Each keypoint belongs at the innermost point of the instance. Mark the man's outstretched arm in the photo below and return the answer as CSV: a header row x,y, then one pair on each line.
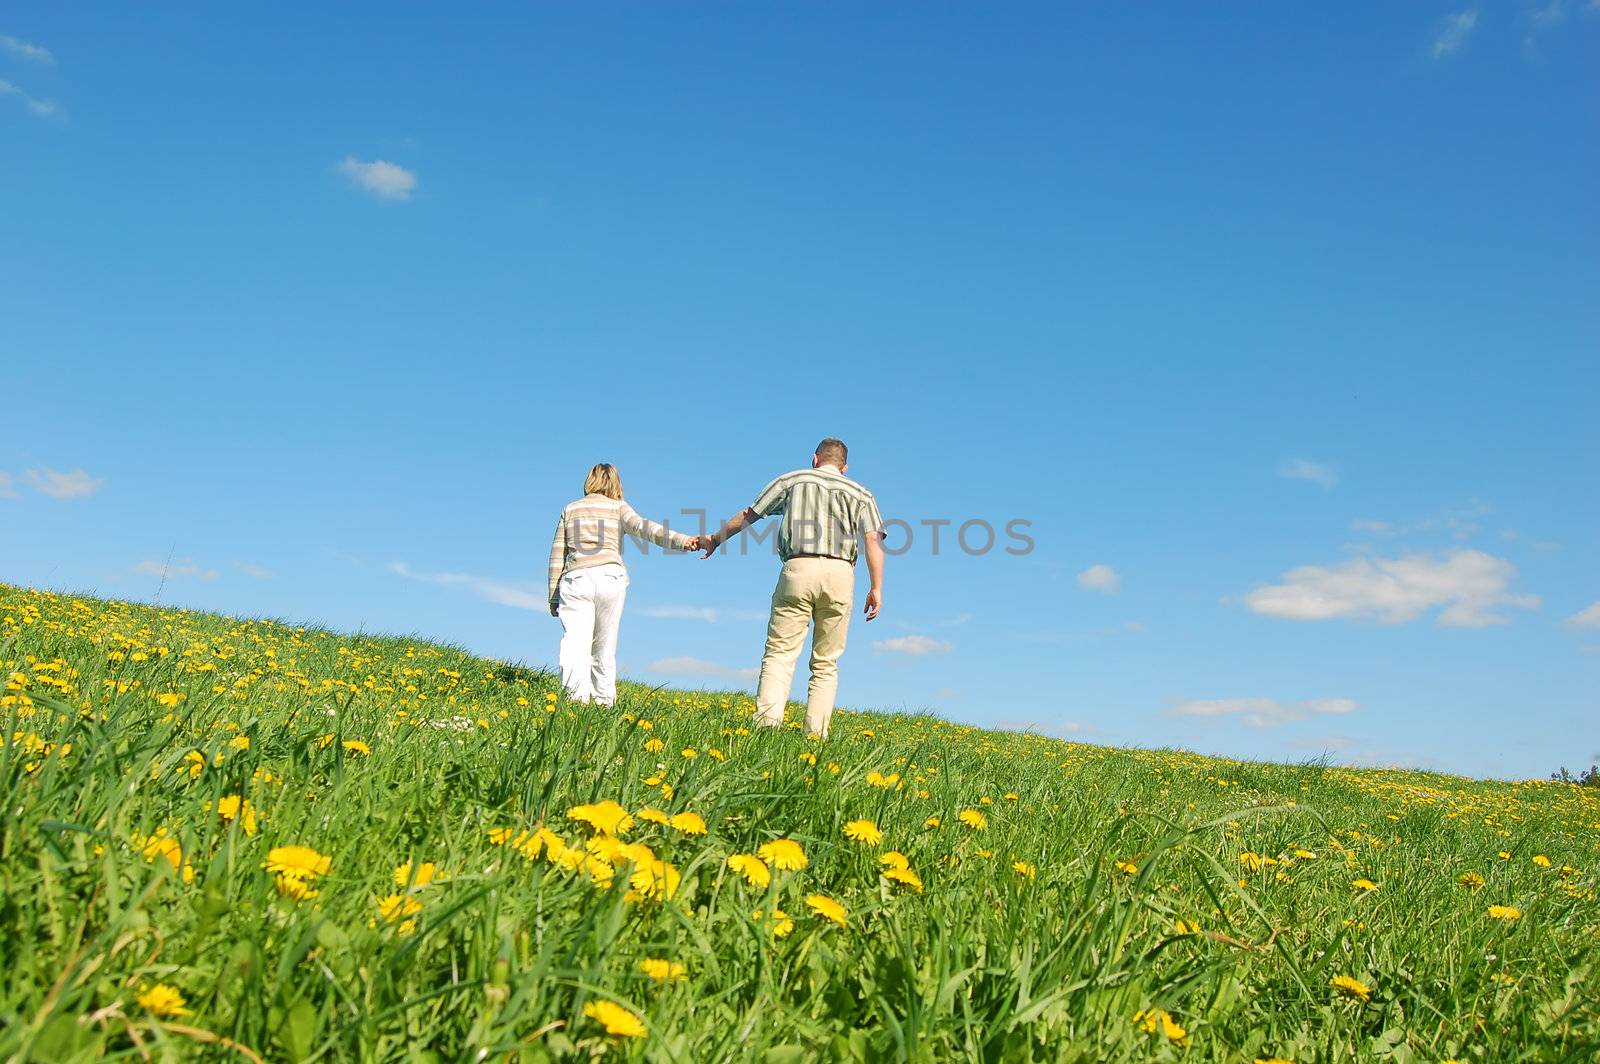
x,y
875,573
731,527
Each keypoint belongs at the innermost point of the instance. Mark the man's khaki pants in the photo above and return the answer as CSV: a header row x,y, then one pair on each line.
x,y
811,591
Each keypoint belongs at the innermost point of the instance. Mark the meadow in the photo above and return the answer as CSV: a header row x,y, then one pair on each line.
x,y
248,840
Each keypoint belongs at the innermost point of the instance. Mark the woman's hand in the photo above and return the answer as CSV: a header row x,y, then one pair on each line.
x,y
695,543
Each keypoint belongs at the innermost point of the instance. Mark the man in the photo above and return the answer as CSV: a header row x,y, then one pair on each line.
x,y
825,515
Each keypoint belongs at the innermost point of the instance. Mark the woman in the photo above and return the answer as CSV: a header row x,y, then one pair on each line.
x,y
588,581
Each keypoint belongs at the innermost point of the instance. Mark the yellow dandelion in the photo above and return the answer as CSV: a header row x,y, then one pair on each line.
x,y
1505,912
931,822
688,823
1351,987
420,876
1152,1021
1127,868
356,746
606,817
894,859
1470,879
1024,869
651,815
973,819
783,854
300,861
863,831
293,885
904,876
233,807
396,907
1364,885
618,1021
168,700
752,868
781,923
663,970
827,908
653,880
163,1000
1541,860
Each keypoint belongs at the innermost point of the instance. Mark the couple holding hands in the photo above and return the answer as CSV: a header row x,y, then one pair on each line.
x,y
827,519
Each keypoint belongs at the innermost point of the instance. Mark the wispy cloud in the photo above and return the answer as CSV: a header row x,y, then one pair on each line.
x,y
1453,33
686,666
1260,712
1461,522
520,596
1101,578
1588,617
1467,584
947,692
178,567
385,180
1058,729
257,572
36,106
74,485
1318,473
708,614
917,646
1332,743
6,490
32,52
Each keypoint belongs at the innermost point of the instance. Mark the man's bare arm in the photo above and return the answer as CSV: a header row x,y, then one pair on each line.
x,y
731,527
875,573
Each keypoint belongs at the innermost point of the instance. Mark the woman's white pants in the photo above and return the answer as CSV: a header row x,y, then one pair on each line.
x,y
589,603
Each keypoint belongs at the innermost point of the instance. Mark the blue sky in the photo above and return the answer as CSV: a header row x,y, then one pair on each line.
x,y
1280,329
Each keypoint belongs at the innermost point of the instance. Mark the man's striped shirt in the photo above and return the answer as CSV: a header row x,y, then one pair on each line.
x,y
590,533
825,513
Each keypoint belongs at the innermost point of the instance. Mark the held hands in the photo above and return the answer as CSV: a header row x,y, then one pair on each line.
x,y
874,603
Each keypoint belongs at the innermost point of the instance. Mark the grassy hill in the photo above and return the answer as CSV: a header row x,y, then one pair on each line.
x,y
240,839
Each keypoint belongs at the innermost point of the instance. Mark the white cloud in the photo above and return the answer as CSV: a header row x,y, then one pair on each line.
x,y
1316,472
1588,617
385,180
176,568
1100,578
259,572
74,485
519,596
28,51
36,106
917,646
699,667
1058,729
947,692
1325,742
1261,712
1453,33
708,614
1376,528
6,490
1468,584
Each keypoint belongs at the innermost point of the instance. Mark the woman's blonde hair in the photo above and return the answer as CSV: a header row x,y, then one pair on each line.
x,y
603,480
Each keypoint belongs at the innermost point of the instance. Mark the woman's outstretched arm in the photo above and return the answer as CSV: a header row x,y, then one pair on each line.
x,y
644,528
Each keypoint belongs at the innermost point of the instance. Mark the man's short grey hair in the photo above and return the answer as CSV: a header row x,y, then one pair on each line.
x,y
833,451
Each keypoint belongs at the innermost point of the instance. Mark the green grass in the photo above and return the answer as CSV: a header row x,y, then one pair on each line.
x,y
1039,937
